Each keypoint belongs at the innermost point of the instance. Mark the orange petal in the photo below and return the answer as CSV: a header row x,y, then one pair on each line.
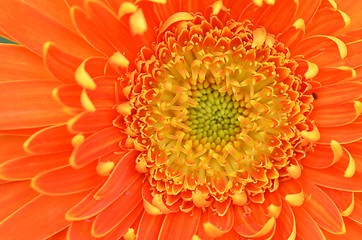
x,y
343,200
50,140
272,205
150,226
281,12
18,63
129,223
122,176
353,231
253,12
354,55
307,9
116,212
20,226
111,28
55,10
95,146
69,95
90,32
231,235
317,44
336,94
59,63
332,75
356,214
216,225
80,230
292,191
91,122
66,180
171,225
293,34
307,228
351,36
342,134
323,156
321,208
14,195
59,235
327,21
21,21
28,167
29,104
285,224
250,221
333,116
352,8
11,147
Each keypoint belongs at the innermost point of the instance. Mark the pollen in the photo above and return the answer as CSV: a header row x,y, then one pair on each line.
x,y
217,112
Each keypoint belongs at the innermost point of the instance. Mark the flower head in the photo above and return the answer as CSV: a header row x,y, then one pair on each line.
x,y
178,119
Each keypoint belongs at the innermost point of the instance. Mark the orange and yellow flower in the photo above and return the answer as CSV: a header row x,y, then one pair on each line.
x,y
155,119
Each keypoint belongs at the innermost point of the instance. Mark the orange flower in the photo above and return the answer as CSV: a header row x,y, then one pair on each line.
x,y
155,119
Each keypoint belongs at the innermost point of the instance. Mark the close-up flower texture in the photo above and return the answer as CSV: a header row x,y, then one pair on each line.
x,y
181,119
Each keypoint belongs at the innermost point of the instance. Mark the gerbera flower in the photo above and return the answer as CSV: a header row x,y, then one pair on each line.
x,y
155,119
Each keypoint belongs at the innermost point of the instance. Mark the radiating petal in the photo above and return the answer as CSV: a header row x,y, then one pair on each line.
x,y
12,147
356,214
127,223
307,9
172,222
150,226
322,209
216,225
97,145
116,212
62,65
81,230
121,177
318,44
18,63
69,95
307,228
279,16
327,21
337,94
353,231
21,21
250,221
114,30
334,178
47,217
50,140
13,196
90,122
342,134
28,167
323,156
343,200
333,116
90,32
29,104
285,224
66,180
332,75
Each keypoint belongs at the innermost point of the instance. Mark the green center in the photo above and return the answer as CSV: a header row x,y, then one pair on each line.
x,y
215,119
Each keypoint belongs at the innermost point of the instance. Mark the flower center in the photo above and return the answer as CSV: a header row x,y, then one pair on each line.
x,y
217,113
